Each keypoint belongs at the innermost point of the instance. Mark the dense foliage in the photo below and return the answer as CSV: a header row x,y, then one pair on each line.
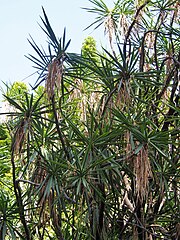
x,y
93,151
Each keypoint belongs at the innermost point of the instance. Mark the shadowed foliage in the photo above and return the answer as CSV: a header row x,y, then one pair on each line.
x,y
95,147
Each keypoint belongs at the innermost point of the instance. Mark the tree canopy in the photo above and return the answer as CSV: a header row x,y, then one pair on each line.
x,y
92,151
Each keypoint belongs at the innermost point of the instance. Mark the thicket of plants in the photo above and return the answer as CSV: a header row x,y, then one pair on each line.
x,y
92,151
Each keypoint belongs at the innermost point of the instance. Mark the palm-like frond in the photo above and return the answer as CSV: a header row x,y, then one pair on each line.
x,y
95,153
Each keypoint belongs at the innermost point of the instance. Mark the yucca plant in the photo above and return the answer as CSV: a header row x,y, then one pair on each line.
x,y
97,158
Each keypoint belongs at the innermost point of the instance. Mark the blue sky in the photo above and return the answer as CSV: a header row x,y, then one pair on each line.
x,y
19,18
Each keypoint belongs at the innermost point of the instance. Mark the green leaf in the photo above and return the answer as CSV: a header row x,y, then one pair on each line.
x,y
158,149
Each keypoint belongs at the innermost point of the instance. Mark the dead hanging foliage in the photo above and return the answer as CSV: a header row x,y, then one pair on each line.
x,y
109,26
123,95
110,29
119,97
123,25
176,13
47,210
54,77
105,111
39,178
150,39
19,137
83,98
142,171
78,95
128,148
141,167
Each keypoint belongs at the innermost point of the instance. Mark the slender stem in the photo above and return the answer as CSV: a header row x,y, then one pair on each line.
x,y
17,191
142,48
132,25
